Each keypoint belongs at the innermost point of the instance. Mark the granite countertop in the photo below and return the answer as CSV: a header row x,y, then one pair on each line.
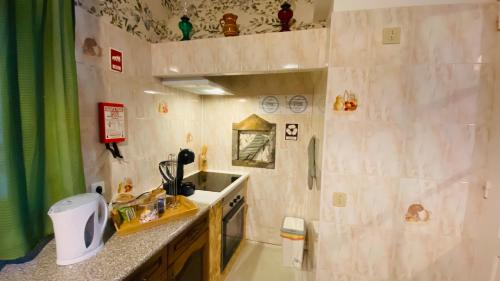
x,y
120,256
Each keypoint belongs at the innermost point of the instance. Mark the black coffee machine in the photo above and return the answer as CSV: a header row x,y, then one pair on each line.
x,y
172,171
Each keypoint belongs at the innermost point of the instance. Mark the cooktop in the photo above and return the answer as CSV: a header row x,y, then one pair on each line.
x,y
211,181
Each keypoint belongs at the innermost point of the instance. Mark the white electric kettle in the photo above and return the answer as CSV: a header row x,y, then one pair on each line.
x,y
79,223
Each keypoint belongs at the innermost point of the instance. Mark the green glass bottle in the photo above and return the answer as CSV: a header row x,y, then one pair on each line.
x,y
186,27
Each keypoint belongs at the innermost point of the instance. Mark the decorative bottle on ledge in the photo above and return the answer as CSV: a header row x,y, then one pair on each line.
x,y
186,27
285,15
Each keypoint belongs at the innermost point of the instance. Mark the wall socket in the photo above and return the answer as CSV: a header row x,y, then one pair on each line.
x,y
339,199
391,35
98,187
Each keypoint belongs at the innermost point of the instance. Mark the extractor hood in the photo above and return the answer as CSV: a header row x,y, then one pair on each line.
x,y
198,85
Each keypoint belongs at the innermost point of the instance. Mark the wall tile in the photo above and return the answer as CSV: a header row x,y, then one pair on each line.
x,y
313,48
390,54
279,56
349,185
355,80
338,251
430,87
425,106
417,191
145,128
413,253
424,152
383,147
351,39
472,92
253,55
228,55
434,35
475,33
373,252
387,97
453,206
345,147
381,194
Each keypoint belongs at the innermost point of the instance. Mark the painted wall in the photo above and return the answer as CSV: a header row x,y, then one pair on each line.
x,y
419,136
157,20
272,193
349,5
150,135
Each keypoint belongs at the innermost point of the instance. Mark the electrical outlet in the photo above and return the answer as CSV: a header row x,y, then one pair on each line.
x,y
97,187
391,35
339,199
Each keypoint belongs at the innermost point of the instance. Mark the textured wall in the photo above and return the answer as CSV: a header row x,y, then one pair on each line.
x,y
157,20
150,135
419,136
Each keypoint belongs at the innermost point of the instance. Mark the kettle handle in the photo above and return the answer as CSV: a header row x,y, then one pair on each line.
x,y
222,22
104,218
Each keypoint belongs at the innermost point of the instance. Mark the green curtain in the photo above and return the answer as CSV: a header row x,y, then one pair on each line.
x,y
40,153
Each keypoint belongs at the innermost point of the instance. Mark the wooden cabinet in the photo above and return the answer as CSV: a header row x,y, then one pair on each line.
x,y
155,269
188,255
183,259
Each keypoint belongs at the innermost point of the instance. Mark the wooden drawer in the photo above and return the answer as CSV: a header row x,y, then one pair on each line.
x,y
155,269
186,238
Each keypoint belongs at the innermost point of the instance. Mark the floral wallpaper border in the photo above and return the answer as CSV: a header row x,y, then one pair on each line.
x,y
160,22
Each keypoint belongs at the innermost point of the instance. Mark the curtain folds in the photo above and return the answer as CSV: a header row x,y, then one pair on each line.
x,y
40,154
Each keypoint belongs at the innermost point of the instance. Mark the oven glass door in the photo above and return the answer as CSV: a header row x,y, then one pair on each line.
x,y
232,231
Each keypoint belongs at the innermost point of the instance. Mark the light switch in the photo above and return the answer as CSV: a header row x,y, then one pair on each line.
x,y
391,35
339,199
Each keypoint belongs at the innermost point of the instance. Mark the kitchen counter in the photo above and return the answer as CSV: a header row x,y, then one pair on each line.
x,y
120,256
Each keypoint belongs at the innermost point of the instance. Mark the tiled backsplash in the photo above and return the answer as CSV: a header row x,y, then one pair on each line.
x,y
151,135
418,136
272,193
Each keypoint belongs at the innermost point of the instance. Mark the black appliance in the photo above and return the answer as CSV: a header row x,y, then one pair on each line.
x,y
233,222
172,171
211,181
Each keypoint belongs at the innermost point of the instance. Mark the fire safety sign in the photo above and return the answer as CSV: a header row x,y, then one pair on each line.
x,y
116,60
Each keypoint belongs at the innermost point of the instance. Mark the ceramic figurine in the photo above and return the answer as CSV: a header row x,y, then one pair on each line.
x,y
285,15
339,104
350,101
186,27
203,163
229,26
417,213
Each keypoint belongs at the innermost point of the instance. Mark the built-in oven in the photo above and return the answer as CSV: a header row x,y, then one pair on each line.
x,y
233,223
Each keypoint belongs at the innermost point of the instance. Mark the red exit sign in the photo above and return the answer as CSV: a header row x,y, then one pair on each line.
x,y
116,60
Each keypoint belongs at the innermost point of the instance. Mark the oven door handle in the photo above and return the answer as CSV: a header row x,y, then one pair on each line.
x,y
236,209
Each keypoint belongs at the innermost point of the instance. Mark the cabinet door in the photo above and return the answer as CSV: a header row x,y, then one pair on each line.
x,y
190,257
179,245
192,265
155,269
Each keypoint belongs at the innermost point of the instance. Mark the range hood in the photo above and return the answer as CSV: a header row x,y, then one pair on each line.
x,y
198,85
